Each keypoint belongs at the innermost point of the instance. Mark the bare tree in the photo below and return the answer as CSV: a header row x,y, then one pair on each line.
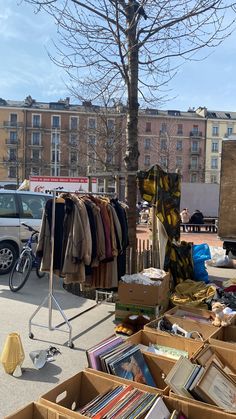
x,y
135,47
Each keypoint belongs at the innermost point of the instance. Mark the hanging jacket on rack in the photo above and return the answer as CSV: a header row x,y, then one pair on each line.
x,y
90,235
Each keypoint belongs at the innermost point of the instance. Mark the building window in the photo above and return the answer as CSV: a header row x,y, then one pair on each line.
x,y
35,171
163,162
55,121
147,143
193,178
180,129
55,138
214,163
179,145
148,127
12,154
36,122
163,144
229,131
92,123
195,129
55,154
213,178
73,122
110,142
194,146
73,158
92,140
13,137
163,127
36,155
91,158
194,163
215,131
109,158
12,172
110,124
73,140
35,139
13,120
147,160
179,162
214,146
55,171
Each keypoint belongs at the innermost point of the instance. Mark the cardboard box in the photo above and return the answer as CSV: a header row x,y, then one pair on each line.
x,y
145,337
224,337
147,295
124,310
194,409
204,330
159,368
36,411
194,313
82,388
228,356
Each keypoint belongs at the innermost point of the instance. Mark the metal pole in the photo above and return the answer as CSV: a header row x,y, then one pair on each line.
x,y
51,262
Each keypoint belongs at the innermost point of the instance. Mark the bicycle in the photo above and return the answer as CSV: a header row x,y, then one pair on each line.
x,y
24,264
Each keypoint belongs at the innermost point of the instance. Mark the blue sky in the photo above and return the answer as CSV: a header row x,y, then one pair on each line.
x,y
26,68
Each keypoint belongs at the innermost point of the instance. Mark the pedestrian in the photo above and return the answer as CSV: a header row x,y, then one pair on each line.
x,y
185,217
197,218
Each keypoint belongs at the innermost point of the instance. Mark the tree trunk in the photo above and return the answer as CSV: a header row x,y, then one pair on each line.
x,y
132,152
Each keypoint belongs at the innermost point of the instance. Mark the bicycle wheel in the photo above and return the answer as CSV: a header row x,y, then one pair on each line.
x,y
20,272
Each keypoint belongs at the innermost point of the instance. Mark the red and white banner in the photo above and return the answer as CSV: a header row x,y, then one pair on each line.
x,y
70,184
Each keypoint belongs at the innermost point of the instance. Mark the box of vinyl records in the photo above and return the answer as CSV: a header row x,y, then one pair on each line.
x,y
146,295
87,394
124,310
36,411
225,337
166,346
158,366
179,326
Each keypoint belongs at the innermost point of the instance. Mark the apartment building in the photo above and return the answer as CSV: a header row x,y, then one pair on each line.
x,y
62,139
175,140
219,126
58,139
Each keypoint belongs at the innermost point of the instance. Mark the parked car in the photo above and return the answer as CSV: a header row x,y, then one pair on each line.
x,y
17,207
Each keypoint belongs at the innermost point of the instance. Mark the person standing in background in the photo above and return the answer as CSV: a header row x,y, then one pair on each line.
x,y
185,218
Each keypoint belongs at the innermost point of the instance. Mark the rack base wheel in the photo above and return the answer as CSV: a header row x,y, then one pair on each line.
x,y
71,345
31,335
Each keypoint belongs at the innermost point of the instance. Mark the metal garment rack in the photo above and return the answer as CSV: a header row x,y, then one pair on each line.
x,y
50,297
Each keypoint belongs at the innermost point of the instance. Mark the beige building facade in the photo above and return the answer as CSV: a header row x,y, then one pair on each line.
x,y
63,139
220,125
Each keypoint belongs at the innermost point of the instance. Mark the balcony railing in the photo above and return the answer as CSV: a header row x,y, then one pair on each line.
x,y
195,134
195,167
12,143
195,150
12,124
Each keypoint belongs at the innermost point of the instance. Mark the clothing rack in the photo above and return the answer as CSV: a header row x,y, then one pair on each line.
x,y
50,298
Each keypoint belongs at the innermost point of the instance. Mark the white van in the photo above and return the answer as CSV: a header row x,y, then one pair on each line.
x,y
17,207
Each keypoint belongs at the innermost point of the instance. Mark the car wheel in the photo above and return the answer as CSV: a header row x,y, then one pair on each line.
x,y
8,255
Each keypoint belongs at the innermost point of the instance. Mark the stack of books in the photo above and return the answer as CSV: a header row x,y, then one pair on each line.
x,y
209,383
121,358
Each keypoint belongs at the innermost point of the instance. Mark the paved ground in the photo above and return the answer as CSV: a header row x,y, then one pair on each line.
x,y
196,238
89,328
